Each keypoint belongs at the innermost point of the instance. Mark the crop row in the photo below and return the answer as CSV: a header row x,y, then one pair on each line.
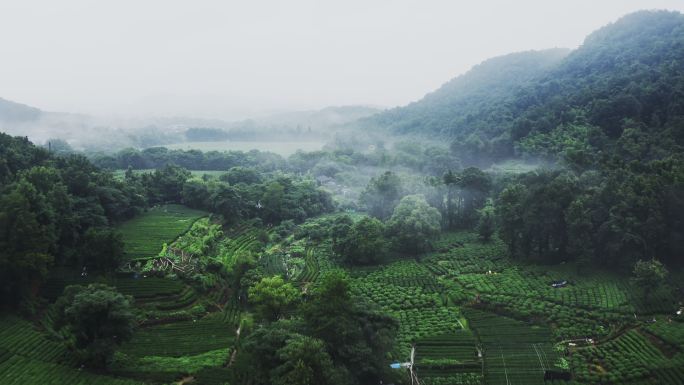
x,y
498,329
670,332
427,378
145,234
568,322
178,301
20,337
311,268
19,370
514,352
451,356
465,255
672,375
416,324
231,313
137,286
392,297
182,338
597,295
273,263
403,273
626,358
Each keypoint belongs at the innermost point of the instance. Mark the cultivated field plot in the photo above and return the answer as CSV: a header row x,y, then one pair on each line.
x,y
514,353
182,338
411,293
29,357
632,357
19,370
449,358
19,337
145,234
142,289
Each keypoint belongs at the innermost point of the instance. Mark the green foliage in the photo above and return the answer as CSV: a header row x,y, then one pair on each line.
x,y
98,318
382,194
649,275
25,244
304,362
165,185
353,335
185,364
102,248
242,175
19,370
559,105
272,296
628,358
182,338
486,226
359,243
277,353
471,107
514,352
414,224
145,234
159,157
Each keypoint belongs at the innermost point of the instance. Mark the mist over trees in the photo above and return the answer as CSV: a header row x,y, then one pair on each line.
x,y
484,201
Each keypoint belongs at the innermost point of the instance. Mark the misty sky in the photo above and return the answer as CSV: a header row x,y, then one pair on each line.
x,y
233,59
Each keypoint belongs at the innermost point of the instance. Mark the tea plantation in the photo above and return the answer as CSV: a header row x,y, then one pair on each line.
x,y
145,234
473,315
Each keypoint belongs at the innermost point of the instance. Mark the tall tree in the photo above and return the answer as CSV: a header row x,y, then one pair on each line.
x,y
414,224
98,318
272,296
363,242
382,194
649,275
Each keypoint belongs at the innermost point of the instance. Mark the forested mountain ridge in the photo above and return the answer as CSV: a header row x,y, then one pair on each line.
x,y
629,73
470,98
16,112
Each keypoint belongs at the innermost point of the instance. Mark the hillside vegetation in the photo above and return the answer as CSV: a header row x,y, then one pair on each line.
x,y
374,261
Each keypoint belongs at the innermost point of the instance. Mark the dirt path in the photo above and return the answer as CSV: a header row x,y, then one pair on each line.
x,y
234,354
185,380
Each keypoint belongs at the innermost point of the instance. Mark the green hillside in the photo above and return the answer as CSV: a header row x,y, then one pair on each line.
x,y
627,74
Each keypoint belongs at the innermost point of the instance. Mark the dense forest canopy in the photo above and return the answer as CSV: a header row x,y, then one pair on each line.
x,y
523,224
541,104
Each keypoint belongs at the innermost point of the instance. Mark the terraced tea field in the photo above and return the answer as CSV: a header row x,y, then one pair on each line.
x,y
514,353
145,234
27,356
449,358
19,370
143,289
182,338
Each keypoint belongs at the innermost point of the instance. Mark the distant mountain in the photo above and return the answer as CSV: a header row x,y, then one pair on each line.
x,y
469,98
627,74
17,112
314,125
326,117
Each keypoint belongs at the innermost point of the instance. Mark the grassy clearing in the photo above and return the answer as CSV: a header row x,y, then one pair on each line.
x,y
145,234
